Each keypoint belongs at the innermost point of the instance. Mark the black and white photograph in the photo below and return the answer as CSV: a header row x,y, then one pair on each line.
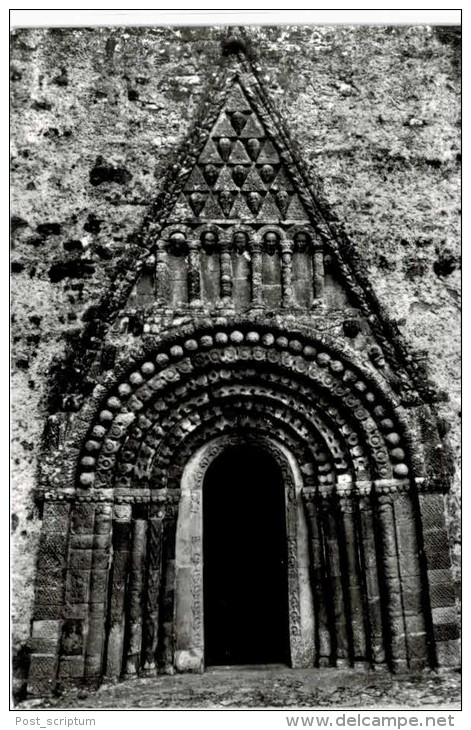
x,y
235,289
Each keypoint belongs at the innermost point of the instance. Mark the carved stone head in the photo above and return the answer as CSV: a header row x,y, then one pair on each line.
x,y
238,121
225,146
253,148
225,201
209,241
211,174
271,240
267,173
376,356
178,243
282,201
238,175
254,201
240,241
301,241
197,201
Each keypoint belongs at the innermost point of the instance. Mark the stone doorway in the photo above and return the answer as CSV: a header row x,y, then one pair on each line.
x,y
245,582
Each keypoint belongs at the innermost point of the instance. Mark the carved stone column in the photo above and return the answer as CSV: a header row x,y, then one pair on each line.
x,y
318,276
375,639
287,291
340,642
226,275
391,583
317,571
135,595
256,270
353,576
121,551
166,644
153,582
98,591
194,273
162,275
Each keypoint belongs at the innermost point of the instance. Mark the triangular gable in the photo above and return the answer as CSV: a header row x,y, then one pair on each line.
x,y
240,146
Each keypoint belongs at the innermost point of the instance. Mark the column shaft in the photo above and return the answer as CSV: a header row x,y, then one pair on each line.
x,y
392,584
120,567
317,574
98,591
318,275
226,276
134,597
162,276
153,581
372,590
287,291
194,273
257,282
166,641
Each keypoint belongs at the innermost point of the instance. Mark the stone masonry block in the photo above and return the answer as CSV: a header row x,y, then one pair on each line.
x,y
442,594
439,575
80,559
49,594
432,509
83,516
81,542
43,667
46,629
78,586
446,632
449,653
44,646
71,667
98,585
55,517
444,615
47,611
438,559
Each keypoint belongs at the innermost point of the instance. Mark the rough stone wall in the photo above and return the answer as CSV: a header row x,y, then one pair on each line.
x,y
98,115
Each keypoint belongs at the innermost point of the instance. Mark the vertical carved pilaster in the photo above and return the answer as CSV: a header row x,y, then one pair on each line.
x,y
194,274
287,291
226,275
153,582
134,597
318,579
318,276
162,275
121,551
166,643
49,598
98,591
392,583
256,270
413,595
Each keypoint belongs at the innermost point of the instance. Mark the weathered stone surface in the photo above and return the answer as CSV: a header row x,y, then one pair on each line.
x,y
232,295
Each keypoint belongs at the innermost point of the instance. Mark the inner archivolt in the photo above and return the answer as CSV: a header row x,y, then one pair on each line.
x,y
245,561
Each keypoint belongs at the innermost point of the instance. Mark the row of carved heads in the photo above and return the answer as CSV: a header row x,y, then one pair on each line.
x,y
179,240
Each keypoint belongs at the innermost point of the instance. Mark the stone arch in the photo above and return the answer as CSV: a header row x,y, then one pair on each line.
x,y
311,401
182,362
190,652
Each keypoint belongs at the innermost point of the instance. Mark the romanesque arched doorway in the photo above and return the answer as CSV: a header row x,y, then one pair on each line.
x,y
245,582
239,321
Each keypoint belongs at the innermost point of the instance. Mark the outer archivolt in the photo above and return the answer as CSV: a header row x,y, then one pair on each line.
x,y
205,359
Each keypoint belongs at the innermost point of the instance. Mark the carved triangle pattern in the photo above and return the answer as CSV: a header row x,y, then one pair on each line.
x,y
239,173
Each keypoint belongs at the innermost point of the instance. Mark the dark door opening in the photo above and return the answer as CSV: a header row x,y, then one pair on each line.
x,y
245,578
